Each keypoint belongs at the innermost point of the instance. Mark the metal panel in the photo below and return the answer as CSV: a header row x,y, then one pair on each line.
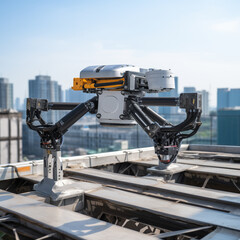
x,y
14,123
169,209
14,151
208,163
71,224
3,127
216,171
223,234
214,148
150,184
4,152
201,169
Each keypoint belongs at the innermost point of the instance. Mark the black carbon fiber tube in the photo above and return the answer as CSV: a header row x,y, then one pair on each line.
x,y
160,101
62,105
137,113
68,120
154,116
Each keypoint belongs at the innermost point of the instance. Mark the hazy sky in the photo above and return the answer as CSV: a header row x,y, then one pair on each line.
x,y
198,40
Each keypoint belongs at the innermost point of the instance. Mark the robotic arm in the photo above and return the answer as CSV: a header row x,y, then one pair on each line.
x,y
51,134
166,137
120,101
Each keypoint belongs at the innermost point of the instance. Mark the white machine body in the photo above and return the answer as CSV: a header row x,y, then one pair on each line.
x,y
107,71
111,104
111,109
160,80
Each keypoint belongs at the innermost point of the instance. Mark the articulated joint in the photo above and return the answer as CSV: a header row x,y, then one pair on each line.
x,y
90,105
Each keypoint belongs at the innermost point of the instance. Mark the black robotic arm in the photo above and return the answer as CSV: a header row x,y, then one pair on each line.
x,y
166,137
51,134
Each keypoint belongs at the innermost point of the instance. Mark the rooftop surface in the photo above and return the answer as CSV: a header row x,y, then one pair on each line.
x,y
125,195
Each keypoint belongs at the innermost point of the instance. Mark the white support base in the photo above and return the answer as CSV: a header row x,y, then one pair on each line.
x,y
171,169
58,190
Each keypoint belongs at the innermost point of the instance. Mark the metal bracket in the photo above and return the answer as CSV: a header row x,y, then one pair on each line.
x,y
53,165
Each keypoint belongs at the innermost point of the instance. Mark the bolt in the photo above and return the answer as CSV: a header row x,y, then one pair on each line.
x,y
121,116
98,115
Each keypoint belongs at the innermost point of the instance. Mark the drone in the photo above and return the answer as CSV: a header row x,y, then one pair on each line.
x,y
120,101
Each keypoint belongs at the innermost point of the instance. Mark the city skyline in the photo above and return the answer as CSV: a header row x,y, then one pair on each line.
x,y
172,92
202,52
69,95
226,97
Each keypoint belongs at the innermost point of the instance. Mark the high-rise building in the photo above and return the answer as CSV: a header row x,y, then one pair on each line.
x,y
205,102
228,131
169,111
45,88
234,97
228,98
77,96
18,105
189,90
6,94
222,98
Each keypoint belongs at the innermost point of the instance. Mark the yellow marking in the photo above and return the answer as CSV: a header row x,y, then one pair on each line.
x,y
24,169
193,101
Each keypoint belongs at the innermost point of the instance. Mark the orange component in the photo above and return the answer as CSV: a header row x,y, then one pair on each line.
x,y
78,84
24,169
89,83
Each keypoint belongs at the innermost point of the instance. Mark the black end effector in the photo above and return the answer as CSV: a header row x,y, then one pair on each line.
x,y
190,101
34,108
37,104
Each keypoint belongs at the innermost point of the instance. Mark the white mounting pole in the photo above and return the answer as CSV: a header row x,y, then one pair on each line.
x,y
53,165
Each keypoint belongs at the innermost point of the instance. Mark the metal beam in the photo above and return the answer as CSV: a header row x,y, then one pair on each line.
x,y
70,224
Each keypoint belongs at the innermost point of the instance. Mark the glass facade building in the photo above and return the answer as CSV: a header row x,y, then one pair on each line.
x,y
6,94
189,90
228,130
228,98
45,88
205,102
77,96
222,98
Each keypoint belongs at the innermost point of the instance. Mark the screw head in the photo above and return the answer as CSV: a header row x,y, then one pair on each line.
x,y
98,115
